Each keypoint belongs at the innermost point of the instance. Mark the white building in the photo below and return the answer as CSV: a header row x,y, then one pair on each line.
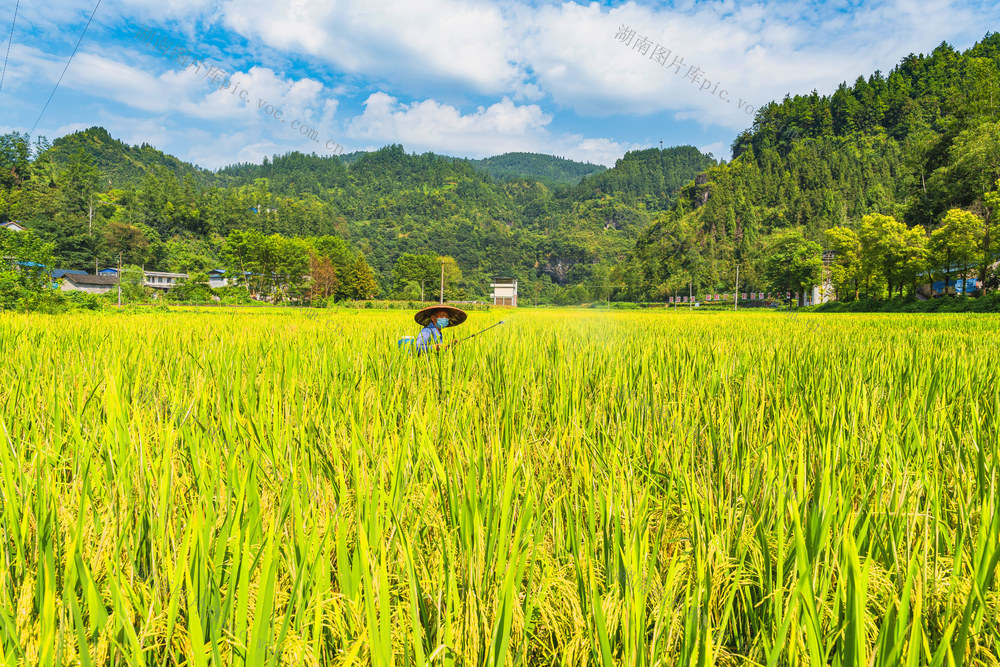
x,y
817,294
13,226
217,278
504,291
156,279
163,280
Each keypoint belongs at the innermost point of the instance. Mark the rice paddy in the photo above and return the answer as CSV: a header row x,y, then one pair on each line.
x,y
281,487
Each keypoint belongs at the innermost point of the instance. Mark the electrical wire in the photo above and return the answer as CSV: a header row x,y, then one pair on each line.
x,y
9,41
65,68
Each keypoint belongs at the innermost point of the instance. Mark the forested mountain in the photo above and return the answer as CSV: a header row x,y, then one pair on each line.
x,y
909,146
650,177
166,214
548,169
122,164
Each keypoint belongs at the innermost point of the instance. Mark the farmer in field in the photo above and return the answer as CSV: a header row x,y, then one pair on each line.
x,y
433,319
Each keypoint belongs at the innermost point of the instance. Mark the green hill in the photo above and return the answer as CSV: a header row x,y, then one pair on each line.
x,y
651,177
913,144
548,169
384,203
121,163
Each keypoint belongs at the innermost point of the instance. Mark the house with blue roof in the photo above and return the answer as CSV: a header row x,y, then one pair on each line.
x,y
160,280
217,278
61,273
956,285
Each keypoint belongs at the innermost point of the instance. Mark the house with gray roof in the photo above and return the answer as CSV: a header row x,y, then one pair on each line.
x,y
89,284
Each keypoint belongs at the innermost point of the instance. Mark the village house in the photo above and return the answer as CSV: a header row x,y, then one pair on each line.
x,y
56,274
217,278
13,226
823,293
99,284
504,291
161,280
956,285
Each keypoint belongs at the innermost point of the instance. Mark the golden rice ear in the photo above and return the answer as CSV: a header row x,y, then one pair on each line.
x,y
644,488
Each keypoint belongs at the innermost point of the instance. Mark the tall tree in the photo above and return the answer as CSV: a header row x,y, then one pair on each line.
x,y
955,245
883,240
127,242
15,160
324,280
25,263
361,281
913,255
424,269
845,270
452,276
793,263
990,251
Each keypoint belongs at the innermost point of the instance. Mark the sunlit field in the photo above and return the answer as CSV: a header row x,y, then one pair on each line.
x,y
265,487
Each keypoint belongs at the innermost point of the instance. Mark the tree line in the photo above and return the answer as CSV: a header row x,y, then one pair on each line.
x,y
895,174
97,200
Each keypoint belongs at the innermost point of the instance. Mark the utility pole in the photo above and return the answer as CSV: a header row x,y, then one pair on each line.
x,y
690,296
736,297
90,229
119,280
421,290
442,281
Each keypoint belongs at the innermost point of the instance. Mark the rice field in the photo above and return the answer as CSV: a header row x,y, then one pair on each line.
x,y
280,487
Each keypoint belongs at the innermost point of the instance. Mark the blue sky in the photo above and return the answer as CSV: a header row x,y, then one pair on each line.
x,y
459,77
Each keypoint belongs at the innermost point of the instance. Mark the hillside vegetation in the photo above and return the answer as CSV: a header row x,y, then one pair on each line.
x,y
548,169
911,147
165,214
896,174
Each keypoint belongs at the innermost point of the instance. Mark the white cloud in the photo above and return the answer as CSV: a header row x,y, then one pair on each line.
x,y
258,105
260,89
450,41
219,150
503,127
598,151
756,52
431,125
567,50
716,149
540,60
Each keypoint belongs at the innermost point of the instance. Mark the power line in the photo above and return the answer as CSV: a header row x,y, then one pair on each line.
x,y
65,68
9,41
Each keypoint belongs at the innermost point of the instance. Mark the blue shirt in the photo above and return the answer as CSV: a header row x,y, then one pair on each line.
x,y
428,336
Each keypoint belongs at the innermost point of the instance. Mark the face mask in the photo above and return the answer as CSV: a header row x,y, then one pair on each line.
x,y
442,322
